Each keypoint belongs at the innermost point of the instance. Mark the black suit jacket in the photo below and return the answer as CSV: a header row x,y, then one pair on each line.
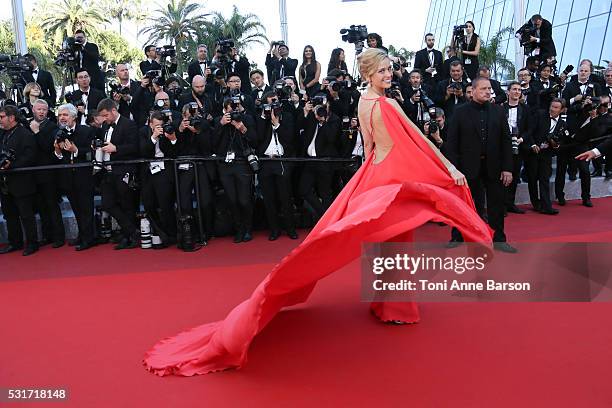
x,y
328,135
285,134
500,94
46,152
45,80
547,45
125,138
133,107
93,99
575,114
605,148
448,105
523,123
224,134
91,58
255,92
80,176
463,144
540,130
194,69
422,62
274,65
21,140
146,66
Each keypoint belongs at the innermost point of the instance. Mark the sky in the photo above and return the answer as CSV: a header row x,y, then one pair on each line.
x,y
318,22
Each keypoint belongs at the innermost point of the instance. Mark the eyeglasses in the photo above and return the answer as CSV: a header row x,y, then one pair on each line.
x,y
163,99
231,81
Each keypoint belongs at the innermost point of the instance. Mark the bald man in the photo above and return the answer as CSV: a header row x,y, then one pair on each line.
x,y
197,94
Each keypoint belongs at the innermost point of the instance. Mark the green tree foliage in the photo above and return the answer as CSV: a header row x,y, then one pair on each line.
x,y
491,54
62,17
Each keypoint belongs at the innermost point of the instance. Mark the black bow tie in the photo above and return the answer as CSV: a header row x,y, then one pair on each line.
x,y
35,71
513,107
112,125
86,93
429,51
553,119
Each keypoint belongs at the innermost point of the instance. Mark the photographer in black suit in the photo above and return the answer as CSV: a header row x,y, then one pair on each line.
x,y
124,92
86,98
158,177
259,86
320,137
278,62
90,60
200,65
543,37
602,149
414,94
154,63
120,142
17,190
429,61
479,145
47,193
42,78
235,138
72,146
450,93
276,139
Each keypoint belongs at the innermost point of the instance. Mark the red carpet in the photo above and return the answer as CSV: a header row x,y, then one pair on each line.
x,y
83,321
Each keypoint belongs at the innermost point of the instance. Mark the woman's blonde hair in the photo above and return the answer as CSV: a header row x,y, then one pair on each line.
x,y
369,60
28,88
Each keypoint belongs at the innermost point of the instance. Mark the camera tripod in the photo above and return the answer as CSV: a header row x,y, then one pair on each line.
x,y
68,77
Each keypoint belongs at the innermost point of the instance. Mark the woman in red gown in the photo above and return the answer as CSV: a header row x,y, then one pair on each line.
x,y
404,183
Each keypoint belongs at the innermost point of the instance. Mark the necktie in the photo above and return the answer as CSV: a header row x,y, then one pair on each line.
x,y
86,93
35,71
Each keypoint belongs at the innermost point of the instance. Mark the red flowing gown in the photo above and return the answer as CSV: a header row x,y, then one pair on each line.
x,y
382,201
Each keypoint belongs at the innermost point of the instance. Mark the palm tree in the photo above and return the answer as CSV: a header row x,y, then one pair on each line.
x,y
244,29
176,23
401,52
492,56
64,17
121,10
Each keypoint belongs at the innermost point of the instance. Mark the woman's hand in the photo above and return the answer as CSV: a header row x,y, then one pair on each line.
x,y
457,176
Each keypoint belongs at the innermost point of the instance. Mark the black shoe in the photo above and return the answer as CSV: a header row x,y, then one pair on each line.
x,y
74,242
43,242
608,175
247,237
573,177
587,203
10,248
57,244
84,246
273,236
561,201
549,211
30,249
238,237
537,207
292,234
596,173
505,247
515,210
453,243
126,243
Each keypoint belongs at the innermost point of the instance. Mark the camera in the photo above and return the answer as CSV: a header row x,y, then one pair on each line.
x,y
459,36
25,114
6,156
321,111
15,66
174,93
117,88
337,86
68,54
195,115
61,135
225,46
354,34
394,91
236,116
277,43
166,51
426,99
268,108
319,99
558,137
252,159
527,31
98,142
152,74
167,125
283,91
73,99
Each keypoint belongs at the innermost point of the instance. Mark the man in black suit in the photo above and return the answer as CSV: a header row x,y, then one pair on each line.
x,y
126,94
530,95
320,137
153,63
276,139
120,143
543,140
479,145
543,37
86,98
279,64
47,193
594,78
77,183
200,65
429,61
450,93
235,63
414,94
517,115
498,95
198,95
234,87
259,86
17,190
602,149
545,87
89,59
43,79
451,56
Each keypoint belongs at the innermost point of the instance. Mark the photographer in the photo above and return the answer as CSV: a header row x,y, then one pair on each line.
x,y
414,95
351,147
89,60
597,125
276,139
340,98
444,74
240,65
119,138
596,79
278,62
546,86
198,95
450,92
436,133
123,92
337,61
234,89
259,86
236,139
518,117
470,49
321,134
200,65
72,145
375,41
158,141
539,34
86,98
42,78
47,194
429,61
157,61
196,138
545,137
498,95
17,149
287,91
174,90
530,96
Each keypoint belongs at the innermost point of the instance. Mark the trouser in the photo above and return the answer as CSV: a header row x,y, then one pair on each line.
x,y
275,181
564,158
118,201
158,200
517,161
237,181
492,189
317,176
81,198
19,211
47,203
539,170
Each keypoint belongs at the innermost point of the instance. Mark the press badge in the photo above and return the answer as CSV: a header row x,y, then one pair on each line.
x,y
184,166
229,157
468,61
